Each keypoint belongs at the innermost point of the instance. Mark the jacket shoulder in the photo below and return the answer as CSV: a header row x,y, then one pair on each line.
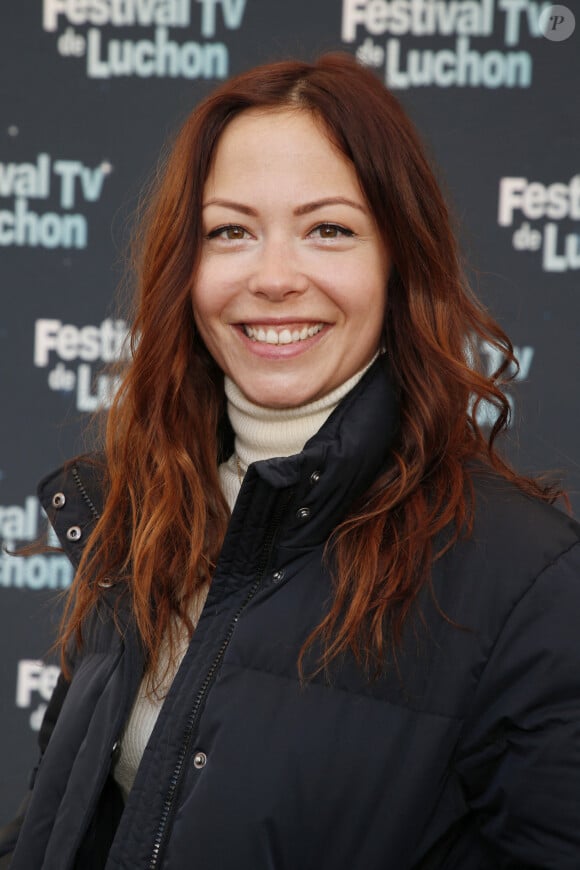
x,y
515,538
517,527
519,754
72,497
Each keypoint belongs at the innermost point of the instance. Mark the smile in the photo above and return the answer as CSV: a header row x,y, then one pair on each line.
x,y
284,335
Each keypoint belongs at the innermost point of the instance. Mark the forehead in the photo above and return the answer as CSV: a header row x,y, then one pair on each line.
x,y
270,149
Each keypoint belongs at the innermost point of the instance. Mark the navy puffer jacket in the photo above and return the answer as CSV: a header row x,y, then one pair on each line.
x,y
468,758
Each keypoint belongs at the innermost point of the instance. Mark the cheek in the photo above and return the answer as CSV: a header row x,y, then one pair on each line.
x,y
370,314
202,312
214,288
362,299
205,297
206,326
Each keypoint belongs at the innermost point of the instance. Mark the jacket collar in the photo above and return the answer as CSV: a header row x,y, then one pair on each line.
x,y
72,497
317,486
336,467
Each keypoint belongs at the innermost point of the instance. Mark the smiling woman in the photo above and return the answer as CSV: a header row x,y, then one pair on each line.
x,y
317,621
290,292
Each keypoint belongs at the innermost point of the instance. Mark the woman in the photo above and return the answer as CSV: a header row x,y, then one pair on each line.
x,y
373,662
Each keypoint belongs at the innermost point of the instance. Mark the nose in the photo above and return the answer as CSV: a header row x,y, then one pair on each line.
x,y
277,273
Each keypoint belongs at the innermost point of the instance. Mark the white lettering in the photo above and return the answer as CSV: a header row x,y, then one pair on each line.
x,y
107,342
70,43
524,356
36,717
50,12
26,179
533,14
23,227
92,183
233,11
463,67
61,378
35,572
353,14
510,198
513,11
118,13
526,238
34,676
19,524
536,200
105,389
417,17
495,358
45,333
163,57
487,413
553,261
68,170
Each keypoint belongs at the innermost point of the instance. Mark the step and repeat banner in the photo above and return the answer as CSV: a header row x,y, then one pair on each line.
x,y
90,91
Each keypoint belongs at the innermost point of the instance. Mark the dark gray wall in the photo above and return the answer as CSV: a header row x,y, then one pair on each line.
x,y
496,101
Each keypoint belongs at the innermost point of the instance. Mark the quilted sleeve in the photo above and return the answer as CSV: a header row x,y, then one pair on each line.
x,y
519,756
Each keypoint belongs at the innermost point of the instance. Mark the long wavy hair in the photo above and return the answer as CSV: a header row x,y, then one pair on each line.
x,y
165,517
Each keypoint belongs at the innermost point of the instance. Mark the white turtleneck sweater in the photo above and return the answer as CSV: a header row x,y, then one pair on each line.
x,y
260,433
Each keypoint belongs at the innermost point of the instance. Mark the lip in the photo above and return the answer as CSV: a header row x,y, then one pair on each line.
x,y
280,351
280,321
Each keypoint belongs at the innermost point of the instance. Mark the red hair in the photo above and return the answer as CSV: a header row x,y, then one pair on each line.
x,y
165,516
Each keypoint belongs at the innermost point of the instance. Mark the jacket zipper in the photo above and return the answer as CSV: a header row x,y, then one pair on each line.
x,y
86,497
194,714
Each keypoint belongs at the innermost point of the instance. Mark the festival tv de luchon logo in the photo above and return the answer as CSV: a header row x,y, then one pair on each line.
x,y
22,524
35,682
70,185
523,202
451,59
69,354
87,30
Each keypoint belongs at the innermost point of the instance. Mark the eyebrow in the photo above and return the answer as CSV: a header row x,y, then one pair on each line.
x,y
307,208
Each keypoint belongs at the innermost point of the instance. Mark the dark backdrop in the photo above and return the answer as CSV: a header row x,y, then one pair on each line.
x,y
90,91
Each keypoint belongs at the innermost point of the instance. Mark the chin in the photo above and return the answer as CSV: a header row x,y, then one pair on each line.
x,y
278,402
277,398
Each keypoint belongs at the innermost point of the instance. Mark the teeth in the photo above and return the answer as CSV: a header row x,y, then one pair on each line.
x,y
285,336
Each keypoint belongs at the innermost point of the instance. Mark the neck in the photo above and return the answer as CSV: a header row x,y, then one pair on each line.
x,y
265,433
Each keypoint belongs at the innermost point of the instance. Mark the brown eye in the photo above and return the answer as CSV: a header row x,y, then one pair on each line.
x,y
234,233
328,231
331,231
229,232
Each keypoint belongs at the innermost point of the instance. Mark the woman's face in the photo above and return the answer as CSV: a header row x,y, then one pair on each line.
x,y
290,294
